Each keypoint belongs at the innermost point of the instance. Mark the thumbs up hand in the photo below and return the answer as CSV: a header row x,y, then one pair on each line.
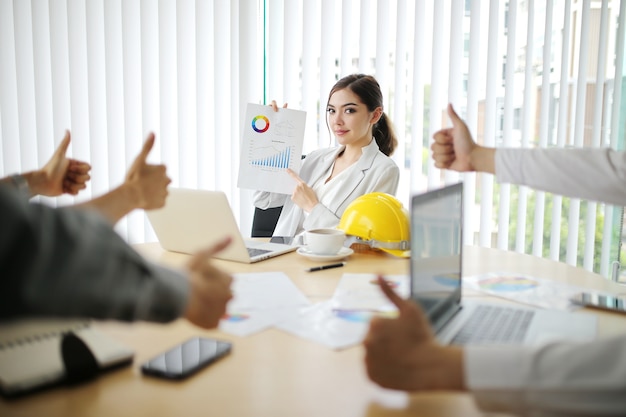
x,y
60,174
452,147
148,181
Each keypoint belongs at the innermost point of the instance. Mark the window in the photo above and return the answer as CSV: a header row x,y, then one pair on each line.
x,y
113,70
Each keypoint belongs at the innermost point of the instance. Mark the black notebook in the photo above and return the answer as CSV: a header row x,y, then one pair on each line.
x,y
37,353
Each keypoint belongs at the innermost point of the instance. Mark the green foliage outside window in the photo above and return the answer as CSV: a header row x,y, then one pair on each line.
x,y
549,202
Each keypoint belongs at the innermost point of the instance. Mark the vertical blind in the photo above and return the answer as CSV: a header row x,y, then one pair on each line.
x,y
523,73
111,71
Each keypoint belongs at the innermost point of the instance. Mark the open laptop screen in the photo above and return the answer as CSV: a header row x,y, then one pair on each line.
x,y
436,241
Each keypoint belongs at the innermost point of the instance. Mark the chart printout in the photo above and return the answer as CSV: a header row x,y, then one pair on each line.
x,y
272,142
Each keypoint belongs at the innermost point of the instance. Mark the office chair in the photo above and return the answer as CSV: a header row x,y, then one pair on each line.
x,y
264,221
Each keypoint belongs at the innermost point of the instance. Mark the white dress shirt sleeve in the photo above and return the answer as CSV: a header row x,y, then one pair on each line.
x,y
591,173
557,379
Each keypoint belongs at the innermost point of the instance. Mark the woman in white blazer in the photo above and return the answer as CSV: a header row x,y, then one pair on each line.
x,y
332,178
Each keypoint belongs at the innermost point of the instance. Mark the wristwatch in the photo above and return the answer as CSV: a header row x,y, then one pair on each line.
x,y
21,185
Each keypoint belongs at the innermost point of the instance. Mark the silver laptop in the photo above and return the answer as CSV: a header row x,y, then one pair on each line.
x,y
436,271
196,219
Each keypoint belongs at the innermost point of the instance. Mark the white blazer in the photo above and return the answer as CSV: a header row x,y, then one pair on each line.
x,y
374,171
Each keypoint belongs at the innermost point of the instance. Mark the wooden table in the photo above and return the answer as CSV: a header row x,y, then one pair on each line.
x,y
273,373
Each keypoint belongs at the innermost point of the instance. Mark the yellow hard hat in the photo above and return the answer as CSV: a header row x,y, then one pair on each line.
x,y
380,221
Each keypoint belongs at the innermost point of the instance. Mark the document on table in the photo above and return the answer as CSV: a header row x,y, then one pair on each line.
x,y
526,289
343,320
361,292
321,324
271,143
260,301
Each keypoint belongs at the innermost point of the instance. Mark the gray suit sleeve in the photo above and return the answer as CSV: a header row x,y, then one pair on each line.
x,y
70,262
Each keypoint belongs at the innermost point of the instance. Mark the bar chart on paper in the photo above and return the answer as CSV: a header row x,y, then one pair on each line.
x,y
272,142
271,157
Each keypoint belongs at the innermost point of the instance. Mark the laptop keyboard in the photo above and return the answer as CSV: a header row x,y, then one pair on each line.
x,y
495,325
256,252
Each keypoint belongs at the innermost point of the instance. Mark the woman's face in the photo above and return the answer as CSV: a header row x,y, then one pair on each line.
x,y
349,118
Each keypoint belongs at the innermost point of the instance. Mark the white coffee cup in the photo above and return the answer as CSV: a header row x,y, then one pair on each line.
x,y
324,241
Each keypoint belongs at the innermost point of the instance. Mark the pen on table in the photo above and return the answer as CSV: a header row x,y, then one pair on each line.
x,y
323,267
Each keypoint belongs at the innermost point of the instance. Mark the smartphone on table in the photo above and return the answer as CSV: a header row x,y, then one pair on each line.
x,y
186,358
600,301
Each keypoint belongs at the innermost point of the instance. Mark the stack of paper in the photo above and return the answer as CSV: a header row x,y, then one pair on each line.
x,y
343,320
260,301
263,300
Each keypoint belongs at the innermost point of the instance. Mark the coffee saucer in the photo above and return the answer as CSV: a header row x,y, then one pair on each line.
x,y
343,252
